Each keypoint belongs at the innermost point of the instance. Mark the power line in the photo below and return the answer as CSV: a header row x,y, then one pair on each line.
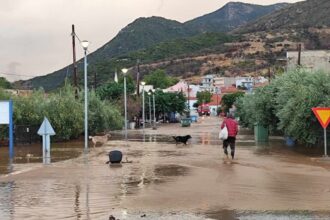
x,y
75,34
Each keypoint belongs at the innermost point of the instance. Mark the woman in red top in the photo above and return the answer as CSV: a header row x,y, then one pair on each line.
x,y
232,127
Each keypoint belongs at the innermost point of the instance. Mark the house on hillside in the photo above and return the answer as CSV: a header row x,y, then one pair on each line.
x,y
181,86
228,90
244,82
207,83
223,81
310,59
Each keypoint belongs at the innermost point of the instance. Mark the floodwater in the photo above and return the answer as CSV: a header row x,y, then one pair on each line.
x,y
162,180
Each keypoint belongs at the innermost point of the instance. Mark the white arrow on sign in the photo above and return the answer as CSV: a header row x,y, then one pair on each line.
x,y
46,128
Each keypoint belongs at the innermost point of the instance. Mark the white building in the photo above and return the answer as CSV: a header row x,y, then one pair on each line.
x,y
146,88
246,82
207,83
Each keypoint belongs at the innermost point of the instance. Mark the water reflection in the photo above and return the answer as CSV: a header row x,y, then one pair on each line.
x,y
87,203
262,148
6,200
33,154
77,202
206,138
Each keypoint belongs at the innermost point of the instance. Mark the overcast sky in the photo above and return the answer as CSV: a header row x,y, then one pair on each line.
x,y
35,34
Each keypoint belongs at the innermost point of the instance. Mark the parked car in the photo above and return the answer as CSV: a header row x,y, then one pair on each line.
x,y
203,109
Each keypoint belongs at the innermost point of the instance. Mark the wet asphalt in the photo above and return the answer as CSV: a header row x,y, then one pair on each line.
x,y
159,179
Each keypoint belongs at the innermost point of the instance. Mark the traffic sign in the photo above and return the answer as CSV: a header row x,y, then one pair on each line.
x,y
323,115
46,128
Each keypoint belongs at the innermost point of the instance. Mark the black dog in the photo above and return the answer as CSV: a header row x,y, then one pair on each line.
x,y
181,139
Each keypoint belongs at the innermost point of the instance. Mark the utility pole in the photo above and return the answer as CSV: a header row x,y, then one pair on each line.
x,y
138,78
73,34
299,55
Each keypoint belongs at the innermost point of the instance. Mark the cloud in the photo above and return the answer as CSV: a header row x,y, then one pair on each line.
x,y
36,33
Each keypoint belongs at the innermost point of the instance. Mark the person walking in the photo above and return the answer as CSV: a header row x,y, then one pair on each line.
x,y
232,127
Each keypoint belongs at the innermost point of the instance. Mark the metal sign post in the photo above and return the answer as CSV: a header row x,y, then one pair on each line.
x,y
46,130
323,115
325,142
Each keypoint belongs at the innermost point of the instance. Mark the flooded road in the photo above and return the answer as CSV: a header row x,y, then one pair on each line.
x,y
162,180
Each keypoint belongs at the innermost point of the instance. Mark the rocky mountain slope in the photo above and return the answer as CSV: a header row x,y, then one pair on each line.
x,y
251,49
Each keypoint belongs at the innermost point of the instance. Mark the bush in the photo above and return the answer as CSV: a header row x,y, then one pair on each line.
x,y
66,113
102,115
298,92
286,103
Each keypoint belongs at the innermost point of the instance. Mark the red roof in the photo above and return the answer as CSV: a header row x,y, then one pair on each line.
x,y
257,85
230,89
215,100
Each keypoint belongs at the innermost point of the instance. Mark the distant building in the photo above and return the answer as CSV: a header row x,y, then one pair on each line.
x,y
146,88
310,59
228,90
191,102
224,81
181,86
215,103
207,83
193,89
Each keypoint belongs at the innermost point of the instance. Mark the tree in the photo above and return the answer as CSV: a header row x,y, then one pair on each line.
x,y
134,106
114,91
4,83
203,97
228,100
159,79
285,105
169,102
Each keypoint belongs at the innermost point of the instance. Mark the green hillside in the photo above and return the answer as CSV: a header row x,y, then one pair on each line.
x,y
142,33
152,39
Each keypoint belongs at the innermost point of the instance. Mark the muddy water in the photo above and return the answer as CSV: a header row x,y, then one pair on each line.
x,y
161,180
30,155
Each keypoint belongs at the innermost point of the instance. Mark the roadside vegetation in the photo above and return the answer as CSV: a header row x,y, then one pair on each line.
x,y
64,111
285,105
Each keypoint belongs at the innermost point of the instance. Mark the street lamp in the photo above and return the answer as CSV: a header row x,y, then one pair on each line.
x,y
125,100
85,44
143,116
153,100
188,101
149,95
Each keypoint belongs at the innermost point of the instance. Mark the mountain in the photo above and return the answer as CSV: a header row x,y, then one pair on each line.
x,y
143,33
305,14
231,16
146,33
